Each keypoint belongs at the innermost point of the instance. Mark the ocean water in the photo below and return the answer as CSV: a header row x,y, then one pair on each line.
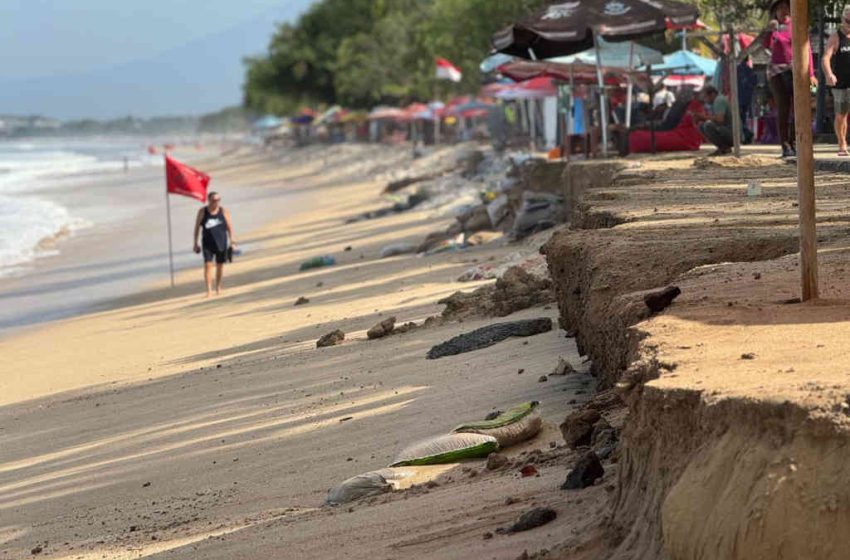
x,y
35,179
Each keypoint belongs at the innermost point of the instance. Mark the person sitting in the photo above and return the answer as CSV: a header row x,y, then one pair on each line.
x,y
716,127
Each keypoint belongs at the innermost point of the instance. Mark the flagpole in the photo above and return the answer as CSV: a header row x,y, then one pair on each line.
x,y
170,248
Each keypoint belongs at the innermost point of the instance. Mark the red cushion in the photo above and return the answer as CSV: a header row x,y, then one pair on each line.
x,y
685,137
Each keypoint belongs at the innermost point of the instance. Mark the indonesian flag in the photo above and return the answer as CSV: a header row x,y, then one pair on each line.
x,y
448,71
184,180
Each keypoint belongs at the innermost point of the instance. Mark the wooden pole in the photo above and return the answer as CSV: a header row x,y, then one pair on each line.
x,y
732,61
805,156
603,103
170,244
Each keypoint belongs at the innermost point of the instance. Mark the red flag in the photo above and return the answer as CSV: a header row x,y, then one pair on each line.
x,y
184,180
445,70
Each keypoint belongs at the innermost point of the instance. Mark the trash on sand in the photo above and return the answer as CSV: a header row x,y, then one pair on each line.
x,y
317,262
528,470
447,448
488,336
356,487
519,423
498,210
372,483
331,339
539,211
302,301
401,248
753,188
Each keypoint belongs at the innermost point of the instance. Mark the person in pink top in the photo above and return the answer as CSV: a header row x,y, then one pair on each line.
x,y
778,41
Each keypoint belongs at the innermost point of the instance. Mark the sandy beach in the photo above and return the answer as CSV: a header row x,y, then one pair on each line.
x,y
170,426
176,426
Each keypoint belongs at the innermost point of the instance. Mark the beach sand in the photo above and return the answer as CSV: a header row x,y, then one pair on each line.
x,y
178,427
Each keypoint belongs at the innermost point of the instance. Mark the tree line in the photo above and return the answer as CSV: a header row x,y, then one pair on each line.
x,y
361,53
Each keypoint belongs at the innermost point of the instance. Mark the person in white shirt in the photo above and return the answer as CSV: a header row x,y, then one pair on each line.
x,y
663,100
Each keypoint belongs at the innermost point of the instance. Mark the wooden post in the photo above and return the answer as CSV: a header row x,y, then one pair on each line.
x,y
732,61
805,156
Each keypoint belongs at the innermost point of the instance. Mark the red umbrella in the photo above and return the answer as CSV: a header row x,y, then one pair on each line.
x,y
520,70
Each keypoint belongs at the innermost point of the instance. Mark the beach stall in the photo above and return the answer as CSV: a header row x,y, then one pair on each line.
x,y
563,29
385,123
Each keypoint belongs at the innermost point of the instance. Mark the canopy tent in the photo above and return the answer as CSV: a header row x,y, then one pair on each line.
x,y
627,54
687,63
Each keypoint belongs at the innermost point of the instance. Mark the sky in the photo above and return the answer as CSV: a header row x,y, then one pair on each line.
x,y
110,58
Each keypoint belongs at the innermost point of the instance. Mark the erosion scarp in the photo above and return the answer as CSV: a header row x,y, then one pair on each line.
x,y
736,439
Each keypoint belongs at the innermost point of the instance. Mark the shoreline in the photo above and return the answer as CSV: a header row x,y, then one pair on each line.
x,y
109,274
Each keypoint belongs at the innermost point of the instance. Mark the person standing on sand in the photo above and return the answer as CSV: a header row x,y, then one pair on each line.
x,y
836,68
717,126
778,41
215,220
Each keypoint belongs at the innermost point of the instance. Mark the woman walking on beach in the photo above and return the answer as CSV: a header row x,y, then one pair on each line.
x,y
215,220
778,41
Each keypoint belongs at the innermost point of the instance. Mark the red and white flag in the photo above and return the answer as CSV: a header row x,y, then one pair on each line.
x,y
448,71
184,180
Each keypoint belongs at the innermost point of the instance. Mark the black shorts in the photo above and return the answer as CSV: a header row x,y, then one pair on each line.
x,y
219,256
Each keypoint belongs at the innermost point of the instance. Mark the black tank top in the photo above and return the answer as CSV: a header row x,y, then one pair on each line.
x,y
215,230
841,62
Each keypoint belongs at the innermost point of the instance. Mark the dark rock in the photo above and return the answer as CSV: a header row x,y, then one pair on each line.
x,y
382,329
542,379
331,339
515,290
604,451
36,550
585,472
577,428
496,461
532,519
660,300
347,249
301,301
748,356
487,535
489,335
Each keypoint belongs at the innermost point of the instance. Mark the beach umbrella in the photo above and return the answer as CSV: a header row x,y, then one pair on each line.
x,y
578,72
267,122
564,28
493,61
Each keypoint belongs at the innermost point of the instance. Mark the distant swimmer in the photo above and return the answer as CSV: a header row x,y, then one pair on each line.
x,y
218,230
